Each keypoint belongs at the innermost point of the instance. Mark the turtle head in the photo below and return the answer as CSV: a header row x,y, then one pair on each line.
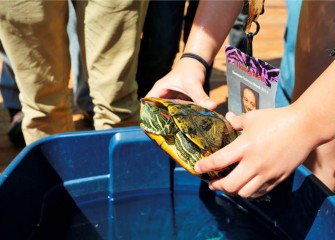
x,y
155,117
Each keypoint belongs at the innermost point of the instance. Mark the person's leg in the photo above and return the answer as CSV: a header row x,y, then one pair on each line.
x,y
34,36
81,92
316,39
112,40
9,90
159,43
10,95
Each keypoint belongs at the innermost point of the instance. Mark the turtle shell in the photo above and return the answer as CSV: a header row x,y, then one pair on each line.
x,y
186,131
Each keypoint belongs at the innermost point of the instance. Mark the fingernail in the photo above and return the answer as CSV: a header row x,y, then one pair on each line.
x,y
210,104
229,116
210,187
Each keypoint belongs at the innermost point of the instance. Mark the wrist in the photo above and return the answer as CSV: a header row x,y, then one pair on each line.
x,y
310,125
199,59
205,65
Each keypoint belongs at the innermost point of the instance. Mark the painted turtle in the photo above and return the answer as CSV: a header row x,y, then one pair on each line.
x,y
187,132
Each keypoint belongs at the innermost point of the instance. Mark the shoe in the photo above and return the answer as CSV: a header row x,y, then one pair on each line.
x,y
88,118
14,133
12,112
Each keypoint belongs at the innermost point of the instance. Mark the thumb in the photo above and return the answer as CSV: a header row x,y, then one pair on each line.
x,y
199,96
235,121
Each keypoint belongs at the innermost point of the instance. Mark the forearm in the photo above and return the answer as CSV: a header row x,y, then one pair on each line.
x,y
315,108
211,26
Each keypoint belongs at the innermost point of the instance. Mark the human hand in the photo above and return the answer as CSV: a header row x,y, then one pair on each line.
x,y
185,82
273,143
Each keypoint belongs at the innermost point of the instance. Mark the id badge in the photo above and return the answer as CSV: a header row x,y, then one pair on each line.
x,y
252,83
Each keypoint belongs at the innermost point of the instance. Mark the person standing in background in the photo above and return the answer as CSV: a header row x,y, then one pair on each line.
x,y
81,92
162,32
34,36
10,91
10,95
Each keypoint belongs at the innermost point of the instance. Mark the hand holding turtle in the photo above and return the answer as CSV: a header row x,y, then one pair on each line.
x,y
266,152
184,82
274,141
186,79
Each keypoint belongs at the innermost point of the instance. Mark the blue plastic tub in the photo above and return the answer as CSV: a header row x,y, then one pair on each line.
x,y
118,184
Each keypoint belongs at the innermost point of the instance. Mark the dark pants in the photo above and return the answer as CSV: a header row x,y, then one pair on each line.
x,y
160,42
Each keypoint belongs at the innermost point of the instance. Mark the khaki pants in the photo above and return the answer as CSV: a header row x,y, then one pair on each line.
x,y
34,36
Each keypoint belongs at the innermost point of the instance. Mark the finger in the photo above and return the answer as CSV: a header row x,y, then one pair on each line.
x,y
236,121
230,115
267,187
219,185
215,162
236,179
254,187
158,91
199,96
220,159
262,191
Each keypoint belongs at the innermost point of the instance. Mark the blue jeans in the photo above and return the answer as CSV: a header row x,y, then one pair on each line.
x,y
8,87
81,90
287,72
